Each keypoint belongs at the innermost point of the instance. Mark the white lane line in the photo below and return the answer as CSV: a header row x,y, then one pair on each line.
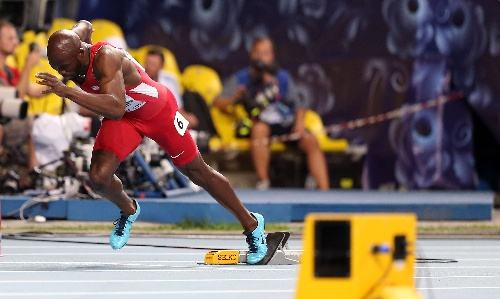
x,y
105,246
478,249
146,280
477,259
477,252
121,293
97,263
459,246
457,267
457,276
458,288
52,247
172,269
206,279
105,253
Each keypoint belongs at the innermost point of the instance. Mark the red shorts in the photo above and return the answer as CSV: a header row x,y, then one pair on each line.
x,y
168,128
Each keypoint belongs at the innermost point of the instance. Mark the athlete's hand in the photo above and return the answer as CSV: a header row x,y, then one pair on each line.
x,y
53,83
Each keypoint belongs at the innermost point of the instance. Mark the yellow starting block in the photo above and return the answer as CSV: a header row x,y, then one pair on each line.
x,y
222,257
360,256
277,253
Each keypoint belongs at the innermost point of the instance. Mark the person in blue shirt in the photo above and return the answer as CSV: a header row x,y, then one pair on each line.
x,y
270,97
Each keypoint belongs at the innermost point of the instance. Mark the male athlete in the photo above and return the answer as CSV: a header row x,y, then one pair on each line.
x,y
115,86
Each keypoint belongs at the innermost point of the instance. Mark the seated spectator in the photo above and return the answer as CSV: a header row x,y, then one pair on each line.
x,y
154,62
16,146
270,98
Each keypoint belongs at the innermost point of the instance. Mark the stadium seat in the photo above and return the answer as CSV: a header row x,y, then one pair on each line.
x,y
170,66
314,124
59,24
203,80
51,103
11,61
106,30
23,49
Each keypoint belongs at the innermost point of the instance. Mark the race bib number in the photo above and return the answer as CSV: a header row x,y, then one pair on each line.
x,y
180,123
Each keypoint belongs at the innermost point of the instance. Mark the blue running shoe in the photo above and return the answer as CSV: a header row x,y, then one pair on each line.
x,y
256,241
119,236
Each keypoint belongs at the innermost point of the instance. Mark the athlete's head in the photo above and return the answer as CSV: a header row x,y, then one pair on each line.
x,y
67,54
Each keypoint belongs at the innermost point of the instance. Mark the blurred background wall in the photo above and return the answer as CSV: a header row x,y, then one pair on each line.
x,y
355,59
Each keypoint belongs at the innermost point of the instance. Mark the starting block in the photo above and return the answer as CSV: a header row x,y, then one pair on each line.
x,y
277,253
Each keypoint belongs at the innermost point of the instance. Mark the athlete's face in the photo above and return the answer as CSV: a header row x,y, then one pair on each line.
x,y
68,64
8,40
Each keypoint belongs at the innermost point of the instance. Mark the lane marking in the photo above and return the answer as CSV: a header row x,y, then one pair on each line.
x,y
147,280
457,267
458,288
209,279
100,294
429,252
457,276
180,269
96,263
132,247
452,247
104,253
52,247
477,259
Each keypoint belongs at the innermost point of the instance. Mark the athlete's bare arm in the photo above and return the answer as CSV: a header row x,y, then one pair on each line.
x,y
110,102
84,30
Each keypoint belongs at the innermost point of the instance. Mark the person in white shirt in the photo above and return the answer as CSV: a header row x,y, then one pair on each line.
x,y
154,63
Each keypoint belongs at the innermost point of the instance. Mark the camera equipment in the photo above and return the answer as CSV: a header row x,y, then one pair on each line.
x,y
10,106
10,183
260,68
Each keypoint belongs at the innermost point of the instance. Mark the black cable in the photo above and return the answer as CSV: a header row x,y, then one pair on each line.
x,y
387,271
31,236
380,281
434,261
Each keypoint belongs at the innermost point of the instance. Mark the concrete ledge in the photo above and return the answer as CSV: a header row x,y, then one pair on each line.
x,y
279,205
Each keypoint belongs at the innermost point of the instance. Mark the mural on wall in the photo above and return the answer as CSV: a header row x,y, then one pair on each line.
x,y
353,59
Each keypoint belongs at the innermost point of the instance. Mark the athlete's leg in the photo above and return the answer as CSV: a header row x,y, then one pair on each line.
x,y
169,130
315,159
218,186
114,142
106,183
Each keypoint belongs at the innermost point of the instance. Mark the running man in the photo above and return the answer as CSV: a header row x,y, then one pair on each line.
x,y
116,87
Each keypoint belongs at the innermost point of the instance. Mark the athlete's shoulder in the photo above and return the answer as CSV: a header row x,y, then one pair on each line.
x,y
107,56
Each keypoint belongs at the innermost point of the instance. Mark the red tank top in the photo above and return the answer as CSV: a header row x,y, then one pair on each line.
x,y
142,101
